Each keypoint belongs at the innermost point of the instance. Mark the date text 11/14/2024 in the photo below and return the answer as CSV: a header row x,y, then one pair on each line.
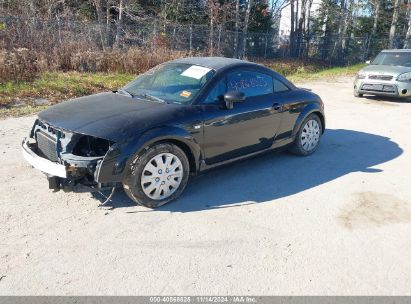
x,y
203,299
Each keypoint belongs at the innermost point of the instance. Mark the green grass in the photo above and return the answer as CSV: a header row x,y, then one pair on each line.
x,y
59,86
55,87
326,74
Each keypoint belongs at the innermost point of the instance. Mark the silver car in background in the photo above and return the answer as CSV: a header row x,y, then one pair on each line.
x,y
389,74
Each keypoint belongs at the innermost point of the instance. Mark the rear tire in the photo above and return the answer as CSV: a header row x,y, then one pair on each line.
x,y
308,137
157,176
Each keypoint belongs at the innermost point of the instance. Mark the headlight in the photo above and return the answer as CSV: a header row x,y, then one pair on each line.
x,y
361,76
404,77
90,146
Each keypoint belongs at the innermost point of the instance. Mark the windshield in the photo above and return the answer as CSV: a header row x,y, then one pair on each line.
x,y
172,82
393,58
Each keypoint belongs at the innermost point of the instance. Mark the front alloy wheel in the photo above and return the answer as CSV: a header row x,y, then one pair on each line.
x,y
162,176
157,175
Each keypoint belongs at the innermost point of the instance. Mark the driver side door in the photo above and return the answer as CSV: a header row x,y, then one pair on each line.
x,y
249,126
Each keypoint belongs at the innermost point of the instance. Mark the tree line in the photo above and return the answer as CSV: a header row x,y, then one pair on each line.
x,y
331,25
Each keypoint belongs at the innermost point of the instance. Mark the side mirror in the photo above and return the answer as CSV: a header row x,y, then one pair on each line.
x,y
231,97
368,62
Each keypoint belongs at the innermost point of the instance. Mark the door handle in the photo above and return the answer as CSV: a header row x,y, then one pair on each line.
x,y
277,106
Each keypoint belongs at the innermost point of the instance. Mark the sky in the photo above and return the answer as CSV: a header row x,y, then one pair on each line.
x,y
285,21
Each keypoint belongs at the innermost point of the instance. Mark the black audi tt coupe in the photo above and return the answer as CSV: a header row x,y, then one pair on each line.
x,y
178,119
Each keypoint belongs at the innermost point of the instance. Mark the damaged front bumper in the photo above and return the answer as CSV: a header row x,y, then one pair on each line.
x,y
77,174
40,163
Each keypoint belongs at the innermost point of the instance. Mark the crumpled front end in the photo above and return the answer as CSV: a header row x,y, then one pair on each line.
x,y
71,161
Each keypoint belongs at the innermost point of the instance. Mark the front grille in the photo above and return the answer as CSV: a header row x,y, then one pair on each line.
x,y
380,77
47,146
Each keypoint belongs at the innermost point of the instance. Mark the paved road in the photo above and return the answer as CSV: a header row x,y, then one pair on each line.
x,y
335,223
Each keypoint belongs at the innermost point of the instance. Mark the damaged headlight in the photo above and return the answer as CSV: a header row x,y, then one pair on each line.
x,y
91,146
361,75
404,77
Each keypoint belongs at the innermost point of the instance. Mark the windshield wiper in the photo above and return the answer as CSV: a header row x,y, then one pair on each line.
x,y
124,92
152,97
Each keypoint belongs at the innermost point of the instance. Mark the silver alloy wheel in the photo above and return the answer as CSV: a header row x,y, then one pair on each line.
x,y
310,135
162,176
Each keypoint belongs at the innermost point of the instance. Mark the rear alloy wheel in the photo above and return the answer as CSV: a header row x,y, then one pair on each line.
x,y
308,137
157,176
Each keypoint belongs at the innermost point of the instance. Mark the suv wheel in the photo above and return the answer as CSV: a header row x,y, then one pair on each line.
x,y
157,176
356,94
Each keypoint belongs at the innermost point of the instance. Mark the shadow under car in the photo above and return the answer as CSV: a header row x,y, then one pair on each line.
x,y
269,176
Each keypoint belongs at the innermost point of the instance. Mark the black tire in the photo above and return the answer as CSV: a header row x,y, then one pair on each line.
x,y
356,94
297,147
132,181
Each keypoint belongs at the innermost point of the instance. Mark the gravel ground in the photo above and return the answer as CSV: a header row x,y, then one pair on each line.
x,y
335,223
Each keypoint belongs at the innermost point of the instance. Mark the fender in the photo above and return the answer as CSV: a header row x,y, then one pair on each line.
x,y
120,157
311,107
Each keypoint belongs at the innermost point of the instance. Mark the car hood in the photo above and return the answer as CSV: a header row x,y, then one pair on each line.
x,y
109,116
386,69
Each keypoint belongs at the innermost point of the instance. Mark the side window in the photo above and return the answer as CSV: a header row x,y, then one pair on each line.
x,y
279,86
250,83
217,93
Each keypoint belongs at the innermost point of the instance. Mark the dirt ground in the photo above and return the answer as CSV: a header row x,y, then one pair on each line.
x,y
335,223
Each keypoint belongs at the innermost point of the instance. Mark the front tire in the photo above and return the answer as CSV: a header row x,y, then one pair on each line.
x,y
157,175
308,137
356,94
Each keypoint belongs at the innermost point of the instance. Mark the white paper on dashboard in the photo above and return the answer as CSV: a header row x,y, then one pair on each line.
x,y
195,71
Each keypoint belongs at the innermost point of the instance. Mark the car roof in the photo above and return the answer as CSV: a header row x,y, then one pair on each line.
x,y
397,51
215,63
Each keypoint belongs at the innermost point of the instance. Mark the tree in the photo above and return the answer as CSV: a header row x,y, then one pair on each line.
x,y
214,9
119,23
394,23
245,27
407,43
292,30
377,4
237,26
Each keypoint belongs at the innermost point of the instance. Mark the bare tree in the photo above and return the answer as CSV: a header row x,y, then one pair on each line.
x,y
277,6
236,26
377,5
347,24
307,31
407,43
108,18
301,25
52,5
119,23
245,28
338,42
213,15
217,13
99,11
394,23
292,30
376,13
